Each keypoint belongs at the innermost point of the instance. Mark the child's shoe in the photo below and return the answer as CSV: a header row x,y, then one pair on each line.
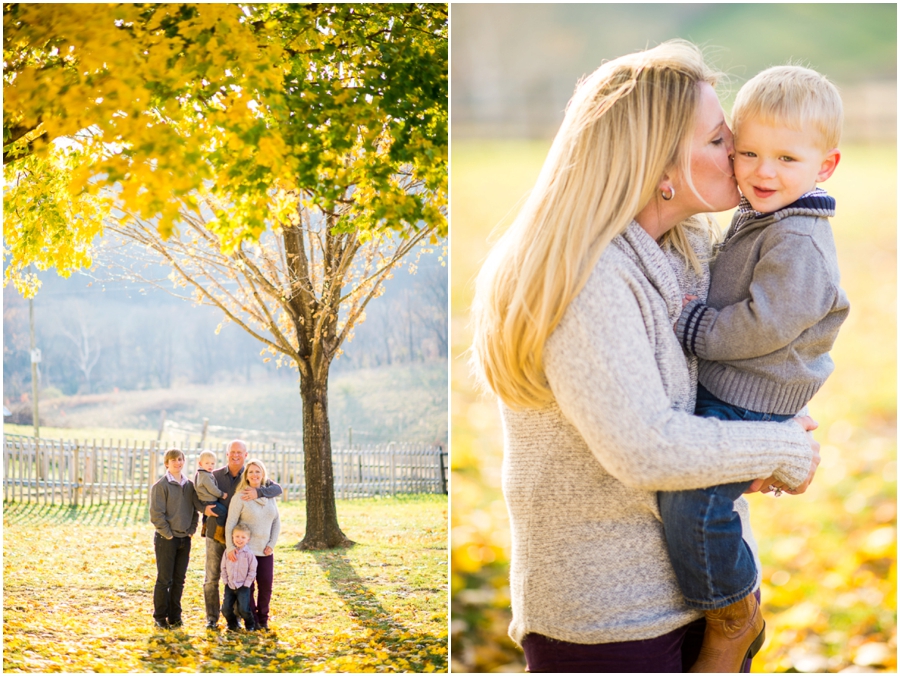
x,y
734,634
220,534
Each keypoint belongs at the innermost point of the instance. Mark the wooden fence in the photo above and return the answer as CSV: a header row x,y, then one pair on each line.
x,y
87,472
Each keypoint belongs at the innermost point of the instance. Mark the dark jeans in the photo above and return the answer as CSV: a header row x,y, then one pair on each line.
x,y
713,564
172,557
671,653
221,512
237,599
259,603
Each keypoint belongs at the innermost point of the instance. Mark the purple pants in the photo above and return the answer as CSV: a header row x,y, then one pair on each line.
x,y
671,653
259,603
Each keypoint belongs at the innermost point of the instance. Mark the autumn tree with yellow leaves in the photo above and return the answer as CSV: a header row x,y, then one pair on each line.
x,y
281,159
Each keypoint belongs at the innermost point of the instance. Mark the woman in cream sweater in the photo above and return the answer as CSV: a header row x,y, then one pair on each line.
x,y
574,312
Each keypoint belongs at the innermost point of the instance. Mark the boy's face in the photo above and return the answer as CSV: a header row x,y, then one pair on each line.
x,y
240,538
207,463
775,166
174,465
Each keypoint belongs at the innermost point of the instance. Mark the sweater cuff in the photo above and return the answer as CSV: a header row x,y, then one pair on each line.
x,y
692,326
795,467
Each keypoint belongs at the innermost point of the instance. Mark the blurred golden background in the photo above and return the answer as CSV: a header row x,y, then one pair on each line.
x,y
829,556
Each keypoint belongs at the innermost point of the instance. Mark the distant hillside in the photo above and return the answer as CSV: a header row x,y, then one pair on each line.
x,y
405,403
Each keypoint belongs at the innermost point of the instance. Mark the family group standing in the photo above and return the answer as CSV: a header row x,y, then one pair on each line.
x,y
240,535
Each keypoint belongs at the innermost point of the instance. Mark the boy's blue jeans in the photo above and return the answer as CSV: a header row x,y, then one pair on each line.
x,y
237,599
221,512
712,562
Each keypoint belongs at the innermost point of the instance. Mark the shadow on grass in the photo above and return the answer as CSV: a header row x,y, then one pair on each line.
x,y
365,608
120,514
251,652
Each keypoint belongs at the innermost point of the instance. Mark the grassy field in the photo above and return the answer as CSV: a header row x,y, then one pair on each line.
x,y
829,556
78,588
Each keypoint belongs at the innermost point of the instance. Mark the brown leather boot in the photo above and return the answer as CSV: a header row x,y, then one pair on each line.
x,y
733,634
220,535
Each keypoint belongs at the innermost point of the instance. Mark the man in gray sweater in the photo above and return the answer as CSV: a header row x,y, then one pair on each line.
x,y
773,312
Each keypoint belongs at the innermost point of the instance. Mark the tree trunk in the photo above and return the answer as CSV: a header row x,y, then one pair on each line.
x,y
322,529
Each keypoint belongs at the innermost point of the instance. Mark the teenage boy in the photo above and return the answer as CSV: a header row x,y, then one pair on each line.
x,y
173,515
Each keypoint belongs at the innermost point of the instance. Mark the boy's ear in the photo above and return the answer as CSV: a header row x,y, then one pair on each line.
x,y
829,164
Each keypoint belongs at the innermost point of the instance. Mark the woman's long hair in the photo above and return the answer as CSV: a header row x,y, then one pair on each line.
x,y
627,125
244,482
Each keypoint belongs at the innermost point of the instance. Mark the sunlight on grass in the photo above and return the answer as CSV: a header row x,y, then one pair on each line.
x,y
829,564
79,597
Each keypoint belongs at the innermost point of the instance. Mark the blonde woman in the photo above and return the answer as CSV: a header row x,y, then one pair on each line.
x,y
261,516
574,312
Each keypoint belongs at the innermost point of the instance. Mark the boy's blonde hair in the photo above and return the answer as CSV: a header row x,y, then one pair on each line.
x,y
628,124
172,454
794,96
242,527
204,455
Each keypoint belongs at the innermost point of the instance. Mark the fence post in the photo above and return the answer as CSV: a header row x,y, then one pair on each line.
x,y
443,470
391,448
75,483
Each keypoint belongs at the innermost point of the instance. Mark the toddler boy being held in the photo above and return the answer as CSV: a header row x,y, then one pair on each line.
x,y
238,575
774,309
209,494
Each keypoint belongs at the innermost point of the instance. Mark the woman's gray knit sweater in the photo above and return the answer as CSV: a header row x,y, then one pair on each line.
x,y
580,476
261,515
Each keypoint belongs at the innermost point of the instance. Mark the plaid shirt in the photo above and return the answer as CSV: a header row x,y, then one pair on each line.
x,y
240,573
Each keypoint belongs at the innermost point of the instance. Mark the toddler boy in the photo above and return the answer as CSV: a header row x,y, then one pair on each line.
x,y
209,494
173,516
774,308
238,575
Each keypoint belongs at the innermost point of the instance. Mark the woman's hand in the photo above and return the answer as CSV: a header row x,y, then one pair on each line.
x,y
267,551
232,555
772,484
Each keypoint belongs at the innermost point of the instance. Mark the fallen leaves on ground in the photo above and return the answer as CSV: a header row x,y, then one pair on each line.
x,y
78,595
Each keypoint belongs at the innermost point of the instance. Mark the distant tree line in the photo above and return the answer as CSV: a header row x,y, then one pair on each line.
x,y
93,341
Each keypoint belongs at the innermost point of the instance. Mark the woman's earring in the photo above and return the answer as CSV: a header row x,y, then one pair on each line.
x,y
667,196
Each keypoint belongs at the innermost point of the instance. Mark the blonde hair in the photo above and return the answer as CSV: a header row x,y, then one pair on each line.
x,y
244,483
627,125
793,96
206,454
243,528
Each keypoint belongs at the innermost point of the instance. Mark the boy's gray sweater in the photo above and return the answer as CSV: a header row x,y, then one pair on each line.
x,y
172,509
206,486
589,560
774,309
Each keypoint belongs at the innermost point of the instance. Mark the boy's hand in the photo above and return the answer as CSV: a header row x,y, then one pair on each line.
x,y
687,299
224,496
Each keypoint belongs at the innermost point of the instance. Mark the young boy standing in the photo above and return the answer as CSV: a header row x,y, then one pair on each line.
x,y
174,517
774,309
238,575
